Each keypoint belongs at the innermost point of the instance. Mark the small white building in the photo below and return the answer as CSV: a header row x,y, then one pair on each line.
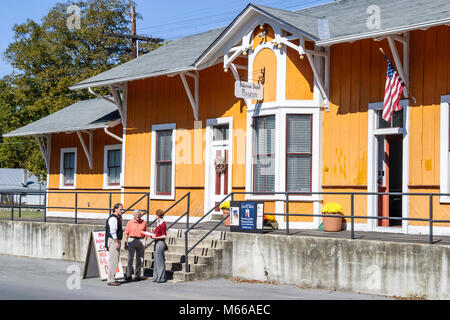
x,y
17,185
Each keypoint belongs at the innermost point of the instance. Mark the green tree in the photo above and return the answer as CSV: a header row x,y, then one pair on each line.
x,y
48,58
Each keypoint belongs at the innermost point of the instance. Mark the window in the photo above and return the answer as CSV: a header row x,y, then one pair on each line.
x,y
68,168
221,132
264,154
112,166
163,162
298,152
396,120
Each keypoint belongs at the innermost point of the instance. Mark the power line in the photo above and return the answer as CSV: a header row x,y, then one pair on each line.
x,y
183,22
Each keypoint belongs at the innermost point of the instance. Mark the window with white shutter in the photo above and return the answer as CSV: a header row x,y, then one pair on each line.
x,y
164,162
264,154
298,152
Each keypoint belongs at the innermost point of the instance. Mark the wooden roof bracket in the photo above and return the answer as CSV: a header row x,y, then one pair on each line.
x,y
193,98
402,68
121,104
88,150
45,148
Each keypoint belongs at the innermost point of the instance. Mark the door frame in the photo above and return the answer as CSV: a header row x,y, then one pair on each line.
x,y
209,156
372,165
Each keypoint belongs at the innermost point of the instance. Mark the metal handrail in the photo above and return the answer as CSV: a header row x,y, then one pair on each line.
x,y
186,241
188,195
352,216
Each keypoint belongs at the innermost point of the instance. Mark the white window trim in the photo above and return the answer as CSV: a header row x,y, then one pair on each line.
x,y
105,166
153,195
444,172
280,154
61,168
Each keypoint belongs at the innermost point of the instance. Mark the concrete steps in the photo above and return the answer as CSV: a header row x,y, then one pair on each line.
x,y
203,260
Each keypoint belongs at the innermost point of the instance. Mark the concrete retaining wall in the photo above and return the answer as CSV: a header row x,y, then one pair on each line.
x,y
386,268
45,240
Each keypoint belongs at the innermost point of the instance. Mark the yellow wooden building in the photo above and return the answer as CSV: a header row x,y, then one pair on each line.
x,y
183,108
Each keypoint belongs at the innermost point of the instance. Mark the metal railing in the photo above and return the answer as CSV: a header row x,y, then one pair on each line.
x,y
186,213
76,208
287,199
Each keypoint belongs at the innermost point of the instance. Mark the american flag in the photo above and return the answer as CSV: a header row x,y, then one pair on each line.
x,y
393,92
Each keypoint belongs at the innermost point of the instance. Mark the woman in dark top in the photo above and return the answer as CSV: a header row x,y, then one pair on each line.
x,y
159,260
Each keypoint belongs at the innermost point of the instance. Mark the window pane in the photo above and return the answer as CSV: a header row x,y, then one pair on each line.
x,y
221,132
164,178
299,173
396,120
264,174
264,135
299,134
69,160
164,145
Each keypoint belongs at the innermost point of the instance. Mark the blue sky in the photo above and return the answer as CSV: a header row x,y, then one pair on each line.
x,y
170,19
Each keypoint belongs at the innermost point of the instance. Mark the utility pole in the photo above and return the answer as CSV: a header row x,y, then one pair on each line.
x,y
133,32
133,37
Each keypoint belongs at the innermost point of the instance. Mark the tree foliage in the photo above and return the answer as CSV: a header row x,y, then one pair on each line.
x,y
48,58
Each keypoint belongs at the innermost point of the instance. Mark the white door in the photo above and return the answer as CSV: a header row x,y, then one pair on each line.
x,y
218,162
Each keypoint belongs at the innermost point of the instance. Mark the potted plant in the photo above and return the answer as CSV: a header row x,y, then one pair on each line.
x,y
332,224
270,221
225,207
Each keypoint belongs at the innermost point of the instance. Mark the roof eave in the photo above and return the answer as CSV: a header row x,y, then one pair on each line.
x,y
379,33
128,79
38,133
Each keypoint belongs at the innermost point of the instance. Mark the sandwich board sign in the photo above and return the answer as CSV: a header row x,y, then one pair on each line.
x,y
97,258
246,216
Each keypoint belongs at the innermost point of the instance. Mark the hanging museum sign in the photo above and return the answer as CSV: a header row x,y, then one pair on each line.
x,y
248,90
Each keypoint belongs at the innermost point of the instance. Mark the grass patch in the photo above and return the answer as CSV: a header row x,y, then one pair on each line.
x,y
5,214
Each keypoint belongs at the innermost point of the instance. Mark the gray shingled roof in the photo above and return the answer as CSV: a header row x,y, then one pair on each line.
x,y
179,55
83,115
348,18
347,21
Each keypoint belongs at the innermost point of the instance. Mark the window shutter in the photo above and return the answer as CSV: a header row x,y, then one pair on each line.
x,y
299,153
264,158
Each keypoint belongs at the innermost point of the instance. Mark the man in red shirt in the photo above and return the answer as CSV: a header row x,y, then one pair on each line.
x,y
135,244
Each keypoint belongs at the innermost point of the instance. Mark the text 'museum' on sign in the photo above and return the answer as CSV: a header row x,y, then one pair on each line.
x,y
248,90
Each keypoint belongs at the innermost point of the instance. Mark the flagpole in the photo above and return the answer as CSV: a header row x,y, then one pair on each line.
x,y
407,89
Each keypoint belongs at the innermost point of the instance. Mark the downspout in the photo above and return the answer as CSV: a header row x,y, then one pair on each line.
x,y
113,124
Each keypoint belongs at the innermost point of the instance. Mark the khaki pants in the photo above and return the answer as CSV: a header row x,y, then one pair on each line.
x,y
135,246
114,256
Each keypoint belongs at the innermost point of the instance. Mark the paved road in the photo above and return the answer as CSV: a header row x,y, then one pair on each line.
x,y
32,279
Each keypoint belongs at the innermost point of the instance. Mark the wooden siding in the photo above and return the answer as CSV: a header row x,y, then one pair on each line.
x,y
358,73
87,180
